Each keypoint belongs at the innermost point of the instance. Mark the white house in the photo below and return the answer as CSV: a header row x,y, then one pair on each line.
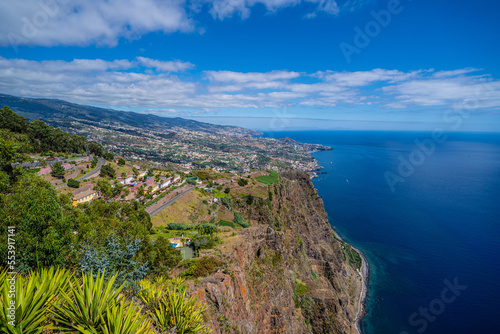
x,y
128,180
164,183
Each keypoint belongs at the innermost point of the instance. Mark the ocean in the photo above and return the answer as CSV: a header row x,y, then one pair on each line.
x,y
425,211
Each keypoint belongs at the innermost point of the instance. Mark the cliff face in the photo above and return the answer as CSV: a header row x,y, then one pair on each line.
x,y
287,274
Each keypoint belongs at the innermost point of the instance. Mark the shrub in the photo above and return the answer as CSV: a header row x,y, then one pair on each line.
x,y
238,219
201,267
179,227
226,201
108,156
57,170
242,182
163,257
169,305
73,183
249,199
107,170
115,255
226,223
301,289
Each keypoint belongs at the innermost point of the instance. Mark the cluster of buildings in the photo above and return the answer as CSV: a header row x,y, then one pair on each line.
x,y
87,193
192,149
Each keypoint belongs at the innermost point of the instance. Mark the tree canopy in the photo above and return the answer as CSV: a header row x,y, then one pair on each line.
x,y
38,137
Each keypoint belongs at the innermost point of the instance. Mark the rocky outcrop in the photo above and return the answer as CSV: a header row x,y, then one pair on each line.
x,y
285,274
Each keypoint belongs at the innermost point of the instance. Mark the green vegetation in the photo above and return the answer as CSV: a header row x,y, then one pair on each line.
x,y
242,182
111,236
176,226
55,301
250,199
163,257
206,228
73,183
300,289
226,201
219,194
57,170
273,177
200,267
38,137
205,175
238,219
191,182
226,223
169,306
351,255
108,171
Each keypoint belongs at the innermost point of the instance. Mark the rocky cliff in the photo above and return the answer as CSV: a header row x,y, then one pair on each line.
x,y
288,273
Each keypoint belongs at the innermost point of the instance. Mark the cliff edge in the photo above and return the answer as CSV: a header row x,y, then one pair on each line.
x,y
288,273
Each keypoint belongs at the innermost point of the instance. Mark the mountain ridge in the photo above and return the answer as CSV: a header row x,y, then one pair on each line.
x,y
56,112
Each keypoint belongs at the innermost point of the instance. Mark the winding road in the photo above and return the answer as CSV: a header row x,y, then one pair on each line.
x,y
101,162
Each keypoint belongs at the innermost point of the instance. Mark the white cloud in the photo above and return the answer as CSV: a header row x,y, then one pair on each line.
x,y
134,84
239,77
165,66
445,74
81,22
450,88
221,9
104,22
364,78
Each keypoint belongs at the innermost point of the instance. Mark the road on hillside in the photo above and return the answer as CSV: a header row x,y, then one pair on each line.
x,y
172,201
101,162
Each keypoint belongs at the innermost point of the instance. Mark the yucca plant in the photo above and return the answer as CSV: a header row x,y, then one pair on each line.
x,y
85,305
95,306
178,283
152,291
28,308
175,309
126,319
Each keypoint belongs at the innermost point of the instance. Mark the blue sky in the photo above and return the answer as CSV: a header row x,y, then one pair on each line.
x,y
355,64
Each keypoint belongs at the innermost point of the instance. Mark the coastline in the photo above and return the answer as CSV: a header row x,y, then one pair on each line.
x,y
364,283
364,272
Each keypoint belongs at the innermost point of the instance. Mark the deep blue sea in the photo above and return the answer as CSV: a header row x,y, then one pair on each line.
x,y
433,240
